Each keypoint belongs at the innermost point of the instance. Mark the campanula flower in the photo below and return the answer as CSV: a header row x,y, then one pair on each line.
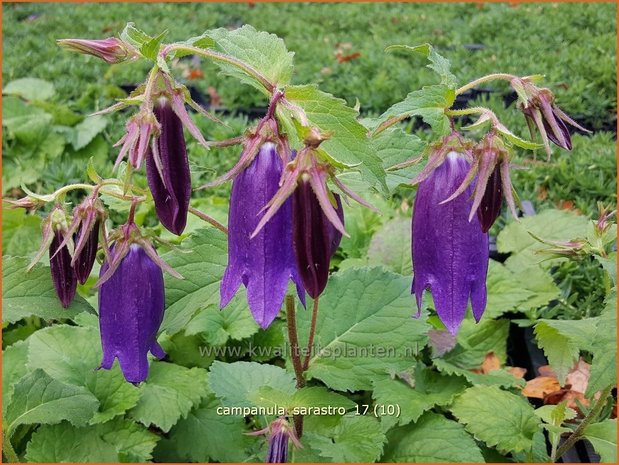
x,y
131,306
167,170
63,275
112,50
541,112
315,238
450,253
84,259
263,263
279,433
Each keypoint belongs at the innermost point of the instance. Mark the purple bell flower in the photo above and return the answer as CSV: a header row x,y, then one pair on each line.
x,y
315,238
84,260
63,276
450,253
264,263
131,305
167,170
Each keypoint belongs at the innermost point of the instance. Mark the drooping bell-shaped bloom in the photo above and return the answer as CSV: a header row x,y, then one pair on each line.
x,y
63,275
264,263
279,433
541,112
167,170
490,205
84,259
315,238
131,306
450,253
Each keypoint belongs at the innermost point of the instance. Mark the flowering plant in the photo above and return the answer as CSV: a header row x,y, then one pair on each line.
x,y
302,169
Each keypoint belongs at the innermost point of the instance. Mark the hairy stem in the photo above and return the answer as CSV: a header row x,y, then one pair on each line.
x,y
295,356
7,449
481,80
310,340
208,219
217,56
578,432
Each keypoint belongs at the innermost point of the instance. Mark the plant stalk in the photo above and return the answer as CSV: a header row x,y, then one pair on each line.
x,y
7,449
293,338
310,339
578,432
481,80
208,219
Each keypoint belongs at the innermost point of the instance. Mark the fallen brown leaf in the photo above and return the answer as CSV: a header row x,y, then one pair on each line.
x,y
541,386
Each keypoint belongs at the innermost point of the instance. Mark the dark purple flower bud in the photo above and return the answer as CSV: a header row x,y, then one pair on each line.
x,y
490,205
263,263
63,276
167,171
279,432
131,305
278,448
85,258
450,253
315,238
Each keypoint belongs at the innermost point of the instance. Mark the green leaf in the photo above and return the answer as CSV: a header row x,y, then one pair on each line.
x,y
206,436
202,261
433,438
603,438
562,341
610,266
355,439
348,144
430,389
358,308
21,232
116,441
14,360
169,393
32,293
518,141
236,384
604,366
151,48
218,326
438,63
72,354
318,396
264,52
37,398
86,131
430,103
497,417
24,122
554,225
134,36
394,146
476,340
391,246
30,89
501,377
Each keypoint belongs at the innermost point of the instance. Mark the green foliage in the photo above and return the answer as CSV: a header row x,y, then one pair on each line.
x,y
350,348
32,293
603,438
433,438
511,430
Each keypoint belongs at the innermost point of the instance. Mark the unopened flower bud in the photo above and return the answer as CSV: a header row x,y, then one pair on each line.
x,y
315,238
167,170
112,50
63,276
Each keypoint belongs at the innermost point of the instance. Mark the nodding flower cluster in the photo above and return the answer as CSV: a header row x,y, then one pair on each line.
x,y
286,216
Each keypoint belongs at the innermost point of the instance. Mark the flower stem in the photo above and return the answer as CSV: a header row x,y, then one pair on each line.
x,y
466,111
7,449
295,356
481,80
310,340
208,219
217,56
578,432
